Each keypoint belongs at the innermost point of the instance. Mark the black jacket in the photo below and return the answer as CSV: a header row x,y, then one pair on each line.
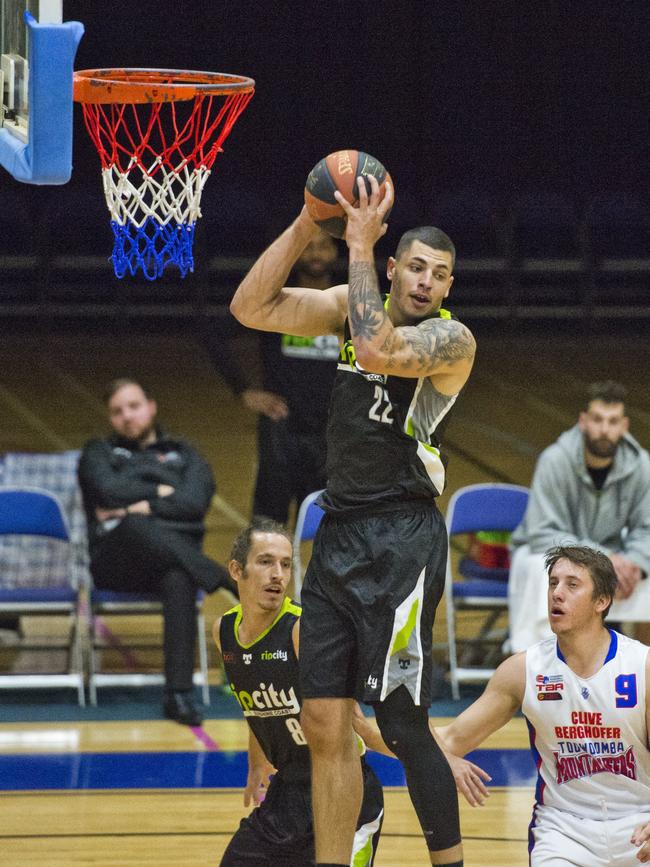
x,y
114,472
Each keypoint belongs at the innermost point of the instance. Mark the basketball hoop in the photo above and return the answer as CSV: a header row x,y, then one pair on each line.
x,y
158,132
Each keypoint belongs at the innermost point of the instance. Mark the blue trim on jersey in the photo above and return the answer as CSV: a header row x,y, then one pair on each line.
x,y
540,784
611,653
613,646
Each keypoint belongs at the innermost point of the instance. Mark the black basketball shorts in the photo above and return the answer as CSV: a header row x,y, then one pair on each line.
x,y
280,832
368,605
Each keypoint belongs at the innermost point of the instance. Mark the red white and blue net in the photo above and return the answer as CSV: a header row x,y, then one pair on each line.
x,y
156,152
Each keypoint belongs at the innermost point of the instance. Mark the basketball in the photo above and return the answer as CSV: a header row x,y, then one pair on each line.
x,y
339,171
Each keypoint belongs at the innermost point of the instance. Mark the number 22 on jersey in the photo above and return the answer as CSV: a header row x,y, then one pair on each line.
x,y
382,408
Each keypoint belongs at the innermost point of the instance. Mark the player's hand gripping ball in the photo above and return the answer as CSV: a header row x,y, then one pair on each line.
x,y
339,171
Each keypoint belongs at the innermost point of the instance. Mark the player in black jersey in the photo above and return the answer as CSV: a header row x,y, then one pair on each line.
x,y
378,564
258,640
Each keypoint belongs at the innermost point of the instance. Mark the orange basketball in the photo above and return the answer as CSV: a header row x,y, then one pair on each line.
x,y
339,171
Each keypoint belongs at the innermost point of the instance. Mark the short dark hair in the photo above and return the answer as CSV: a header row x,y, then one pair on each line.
x,y
595,562
116,384
608,391
429,235
244,540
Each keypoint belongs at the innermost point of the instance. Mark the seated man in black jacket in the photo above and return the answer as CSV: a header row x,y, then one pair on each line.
x,y
146,495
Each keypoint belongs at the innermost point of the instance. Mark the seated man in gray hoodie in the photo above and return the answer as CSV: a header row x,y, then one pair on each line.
x,y
591,487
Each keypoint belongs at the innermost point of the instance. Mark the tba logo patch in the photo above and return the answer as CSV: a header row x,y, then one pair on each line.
x,y
549,687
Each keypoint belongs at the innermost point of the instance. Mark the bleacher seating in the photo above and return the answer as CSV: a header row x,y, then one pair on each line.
x,y
531,254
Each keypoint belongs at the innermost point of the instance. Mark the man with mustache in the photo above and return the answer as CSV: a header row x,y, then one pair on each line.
x,y
591,487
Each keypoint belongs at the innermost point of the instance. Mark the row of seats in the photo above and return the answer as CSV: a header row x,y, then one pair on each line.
x,y
471,585
527,249
44,573
238,221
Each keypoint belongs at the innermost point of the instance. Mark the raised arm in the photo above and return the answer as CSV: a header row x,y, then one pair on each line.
x,y
262,300
501,700
442,349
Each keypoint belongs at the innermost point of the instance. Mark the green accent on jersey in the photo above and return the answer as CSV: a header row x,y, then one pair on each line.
x,y
292,340
364,856
288,607
348,355
403,636
430,448
411,432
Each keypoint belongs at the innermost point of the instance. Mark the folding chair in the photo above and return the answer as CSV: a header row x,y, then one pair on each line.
x,y
491,507
309,517
105,603
28,513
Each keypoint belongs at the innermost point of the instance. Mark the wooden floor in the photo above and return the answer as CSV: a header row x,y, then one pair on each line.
x,y
192,827
523,393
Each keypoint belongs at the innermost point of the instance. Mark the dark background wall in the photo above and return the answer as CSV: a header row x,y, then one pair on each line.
x,y
446,93
480,97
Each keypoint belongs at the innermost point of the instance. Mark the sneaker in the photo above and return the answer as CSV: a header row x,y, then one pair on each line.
x,y
180,707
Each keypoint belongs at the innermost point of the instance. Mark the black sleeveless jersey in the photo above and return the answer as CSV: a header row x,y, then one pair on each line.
x,y
383,437
263,677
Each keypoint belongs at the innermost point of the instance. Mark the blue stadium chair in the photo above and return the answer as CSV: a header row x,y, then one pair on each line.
x,y
475,508
106,603
309,517
29,512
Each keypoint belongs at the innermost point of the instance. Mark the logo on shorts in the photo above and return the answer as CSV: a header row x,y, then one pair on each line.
x,y
372,682
404,664
247,657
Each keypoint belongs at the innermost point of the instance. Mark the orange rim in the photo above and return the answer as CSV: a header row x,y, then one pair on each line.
x,y
154,85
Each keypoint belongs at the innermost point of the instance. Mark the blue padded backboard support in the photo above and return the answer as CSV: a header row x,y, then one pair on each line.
x,y
47,156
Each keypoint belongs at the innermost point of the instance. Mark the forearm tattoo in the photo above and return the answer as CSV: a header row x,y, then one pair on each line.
x,y
366,308
417,348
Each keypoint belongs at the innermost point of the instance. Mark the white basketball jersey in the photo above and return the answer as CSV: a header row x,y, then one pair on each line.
x,y
589,736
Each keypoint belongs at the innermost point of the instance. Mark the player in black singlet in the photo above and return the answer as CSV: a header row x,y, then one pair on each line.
x,y
378,565
258,640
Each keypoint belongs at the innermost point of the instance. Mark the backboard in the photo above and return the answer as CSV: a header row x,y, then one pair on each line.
x,y
37,57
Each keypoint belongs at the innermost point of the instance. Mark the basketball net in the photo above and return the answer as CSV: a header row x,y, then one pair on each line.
x,y
156,155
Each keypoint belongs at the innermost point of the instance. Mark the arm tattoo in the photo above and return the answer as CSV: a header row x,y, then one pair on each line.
x,y
365,306
420,348
439,341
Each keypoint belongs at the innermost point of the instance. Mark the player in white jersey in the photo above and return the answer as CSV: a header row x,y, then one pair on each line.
x,y
586,697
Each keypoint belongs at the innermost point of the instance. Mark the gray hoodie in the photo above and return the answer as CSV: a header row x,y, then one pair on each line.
x,y
566,508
